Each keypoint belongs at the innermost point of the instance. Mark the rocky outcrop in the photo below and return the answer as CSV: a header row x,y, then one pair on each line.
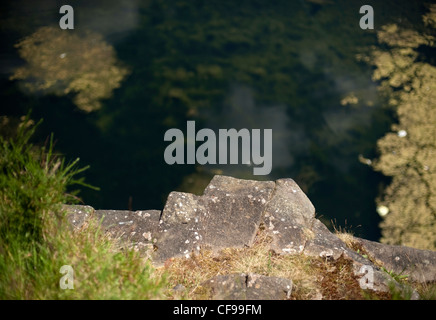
x,y
230,213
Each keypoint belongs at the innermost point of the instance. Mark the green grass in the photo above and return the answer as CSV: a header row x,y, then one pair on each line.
x,y
36,240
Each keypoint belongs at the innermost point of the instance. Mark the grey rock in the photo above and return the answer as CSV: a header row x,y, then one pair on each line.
x,y
250,286
180,231
179,288
290,220
261,287
418,265
180,208
227,287
288,216
234,210
325,244
290,203
135,226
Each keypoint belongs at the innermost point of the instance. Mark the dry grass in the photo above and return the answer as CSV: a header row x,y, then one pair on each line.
x,y
347,238
312,278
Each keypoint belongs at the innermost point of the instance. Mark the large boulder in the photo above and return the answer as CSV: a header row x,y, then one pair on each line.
x,y
228,214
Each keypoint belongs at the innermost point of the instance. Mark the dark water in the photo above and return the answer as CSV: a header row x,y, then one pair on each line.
x,y
283,65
